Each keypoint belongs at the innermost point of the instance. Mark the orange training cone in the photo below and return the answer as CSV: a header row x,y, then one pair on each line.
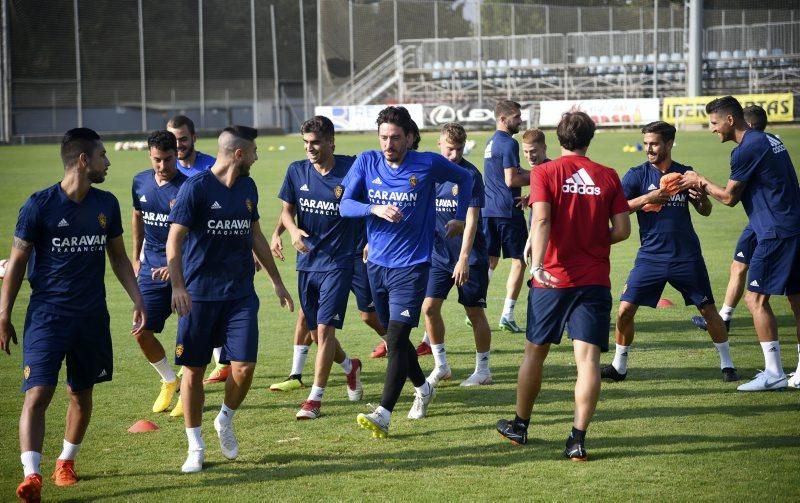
x,y
142,426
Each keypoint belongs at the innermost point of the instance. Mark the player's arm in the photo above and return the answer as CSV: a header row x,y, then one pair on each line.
x,y
701,202
262,252
730,195
620,227
137,228
461,270
517,177
115,249
540,231
276,243
352,204
12,281
181,301
658,196
297,234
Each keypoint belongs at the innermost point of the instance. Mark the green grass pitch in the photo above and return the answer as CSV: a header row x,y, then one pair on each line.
x,y
672,431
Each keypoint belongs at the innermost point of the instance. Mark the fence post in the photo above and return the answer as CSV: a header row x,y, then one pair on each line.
x,y
655,48
79,100
255,66
201,66
142,87
6,67
319,52
352,52
694,69
480,57
277,97
303,60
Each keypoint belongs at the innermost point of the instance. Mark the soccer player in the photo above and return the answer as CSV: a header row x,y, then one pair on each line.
x,y
395,189
460,261
573,200
669,252
154,192
763,178
503,222
217,214
534,148
65,230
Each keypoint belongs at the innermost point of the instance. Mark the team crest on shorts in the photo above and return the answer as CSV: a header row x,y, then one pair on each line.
x,y
413,181
338,191
179,350
455,190
26,372
249,204
171,203
101,218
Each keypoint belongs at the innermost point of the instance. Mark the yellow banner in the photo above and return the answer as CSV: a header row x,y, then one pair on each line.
x,y
680,110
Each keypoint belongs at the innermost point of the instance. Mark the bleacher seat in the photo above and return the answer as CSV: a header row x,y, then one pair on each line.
x,y
592,64
437,70
469,68
448,69
502,67
490,68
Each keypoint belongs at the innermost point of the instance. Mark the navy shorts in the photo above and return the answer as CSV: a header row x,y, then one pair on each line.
x,y
587,310
84,341
231,324
360,287
506,234
647,280
745,246
775,267
157,303
323,296
471,294
398,292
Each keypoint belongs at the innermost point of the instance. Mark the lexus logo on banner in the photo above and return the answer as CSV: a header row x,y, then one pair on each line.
x,y
465,115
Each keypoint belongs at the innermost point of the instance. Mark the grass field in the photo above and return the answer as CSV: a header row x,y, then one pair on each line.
x,y
672,431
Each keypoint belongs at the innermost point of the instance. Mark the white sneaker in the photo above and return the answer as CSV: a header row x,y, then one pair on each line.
x,y
355,390
440,373
194,461
764,382
374,422
420,407
227,439
794,379
477,379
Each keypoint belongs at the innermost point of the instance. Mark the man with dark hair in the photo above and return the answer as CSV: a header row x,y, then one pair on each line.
x,y
154,192
669,252
216,213
763,178
573,200
395,189
755,117
64,230
503,222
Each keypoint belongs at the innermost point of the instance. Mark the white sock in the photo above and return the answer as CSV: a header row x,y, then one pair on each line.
x,y
217,354
195,437
425,389
425,338
69,450
482,362
316,393
724,350
772,358
384,413
508,309
621,359
726,313
164,369
347,365
439,354
30,462
225,415
491,272
299,359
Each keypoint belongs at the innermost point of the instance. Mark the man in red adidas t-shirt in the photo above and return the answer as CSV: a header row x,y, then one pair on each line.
x,y
573,200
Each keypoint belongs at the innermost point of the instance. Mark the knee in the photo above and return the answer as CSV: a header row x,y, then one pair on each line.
x,y
430,310
144,337
752,301
81,399
243,370
626,313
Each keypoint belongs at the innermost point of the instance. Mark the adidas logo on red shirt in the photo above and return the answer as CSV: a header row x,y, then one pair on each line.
x,y
581,183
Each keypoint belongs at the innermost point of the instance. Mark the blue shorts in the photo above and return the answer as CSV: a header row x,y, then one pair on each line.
x,y
157,304
471,294
360,287
85,342
587,310
398,292
232,324
647,280
775,267
745,246
506,234
323,296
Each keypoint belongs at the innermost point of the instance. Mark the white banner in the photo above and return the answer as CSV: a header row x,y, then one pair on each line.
x,y
362,118
629,112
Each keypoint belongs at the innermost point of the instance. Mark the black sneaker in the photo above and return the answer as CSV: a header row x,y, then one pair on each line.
x,y
729,374
516,433
576,452
700,323
609,372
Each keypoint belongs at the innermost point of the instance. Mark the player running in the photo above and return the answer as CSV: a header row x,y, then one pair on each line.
x,y
65,230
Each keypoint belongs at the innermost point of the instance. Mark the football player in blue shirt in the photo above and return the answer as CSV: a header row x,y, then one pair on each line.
x,y
62,234
212,284
154,192
669,252
764,180
395,189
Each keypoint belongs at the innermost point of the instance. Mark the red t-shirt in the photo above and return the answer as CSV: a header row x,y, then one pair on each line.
x,y
583,196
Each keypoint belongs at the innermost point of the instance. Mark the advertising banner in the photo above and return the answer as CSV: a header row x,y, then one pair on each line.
x,y
362,118
469,116
614,112
680,110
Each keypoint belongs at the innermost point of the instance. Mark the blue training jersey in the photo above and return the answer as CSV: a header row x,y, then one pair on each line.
x,y
67,267
332,240
771,198
669,233
446,251
202,162
502,151
412,188
217,254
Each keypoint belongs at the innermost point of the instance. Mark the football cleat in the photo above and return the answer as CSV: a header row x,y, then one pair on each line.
x,y
379,351
700,323
177,411
611,373
440,373
729,374
165,396
513,431
477,379
291,383
374,422
575,452
509,326
64,474
419,408
424,349
309,410
194,461
355,390
227,439
794,380
30,489
765,382
219,374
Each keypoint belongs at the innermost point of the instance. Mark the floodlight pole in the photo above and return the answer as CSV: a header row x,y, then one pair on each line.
x,y
694,70
319,52
142,87
655,48
303,61
6,67
253,62
202,64
78,82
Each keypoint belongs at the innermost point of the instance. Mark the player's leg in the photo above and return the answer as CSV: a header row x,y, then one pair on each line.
x,y
157,303
472,295
31,439
192,400
302,343
79,413
513,235
516,276
434,326
718,331
366,307
221,370
794,302
492,243
734,291
623,336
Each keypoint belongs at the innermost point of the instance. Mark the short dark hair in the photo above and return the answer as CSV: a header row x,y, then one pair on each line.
x,y
725,105
575,130
318,124
755,116
454,132
665,130
77,141
163,141
398,116
181,120
242,132
506,108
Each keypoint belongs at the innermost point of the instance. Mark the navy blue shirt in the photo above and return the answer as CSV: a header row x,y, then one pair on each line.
x,y
501,152
67,266
217,255
331,238
669,233
202,162
446,251
771,198
412,188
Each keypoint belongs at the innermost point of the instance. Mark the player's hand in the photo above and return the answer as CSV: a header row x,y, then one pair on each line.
x,y
139,319
454,228
388,212
544,278
283,295
181,301
658,196
527,252
137,264
297,240
698,195
365,253
276,247
521,202
160,274
461,272
7,333
692,180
